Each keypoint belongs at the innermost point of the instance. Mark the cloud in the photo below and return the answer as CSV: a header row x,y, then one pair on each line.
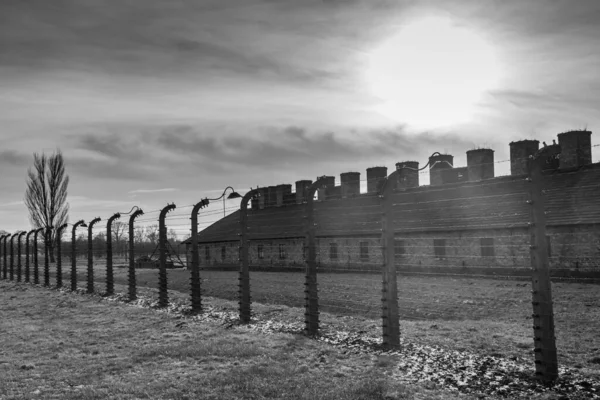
x,y
151,190
14,158
152,38
13,203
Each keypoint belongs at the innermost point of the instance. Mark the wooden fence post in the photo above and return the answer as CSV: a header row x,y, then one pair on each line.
x,y
389,316
546,366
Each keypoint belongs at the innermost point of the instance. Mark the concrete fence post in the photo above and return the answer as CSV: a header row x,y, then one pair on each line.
x,y
59,233
12,256
546,365
74,253
163,296
36,264
4,257
27,256
19,262
110,279
131,277
47,241
195,284
244,278
311,294
389,316
90,265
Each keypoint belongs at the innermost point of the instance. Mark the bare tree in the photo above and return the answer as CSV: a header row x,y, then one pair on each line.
x,y
138,234
119,231
173,237
46,194
152,233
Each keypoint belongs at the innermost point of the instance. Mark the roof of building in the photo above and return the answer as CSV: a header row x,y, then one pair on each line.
x,y
571,197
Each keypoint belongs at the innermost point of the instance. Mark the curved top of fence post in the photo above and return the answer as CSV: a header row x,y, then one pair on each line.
x,y
247,197
387,185
13,236
79,223
29,234
201,204
135,214
91,224
61,228
111,219
21,234
165,210
312,189
94,222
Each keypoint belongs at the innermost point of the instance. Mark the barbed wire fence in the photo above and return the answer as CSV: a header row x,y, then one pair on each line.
x,y
377,262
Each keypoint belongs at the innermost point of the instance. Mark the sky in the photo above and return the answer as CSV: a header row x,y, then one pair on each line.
x,y
153,102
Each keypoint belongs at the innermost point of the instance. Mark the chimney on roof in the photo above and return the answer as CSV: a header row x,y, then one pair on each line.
x,y
575,148
454,175
329,185
437,163
408,174
375,177
480,164
280,192
549,156
350,184
301,188
271,197
262,194
519,155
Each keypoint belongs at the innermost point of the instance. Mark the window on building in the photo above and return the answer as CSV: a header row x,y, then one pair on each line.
x,y
207,253
261,251
364,251
439,248
282,253
333,251
549,245
487,247
399,249
223,253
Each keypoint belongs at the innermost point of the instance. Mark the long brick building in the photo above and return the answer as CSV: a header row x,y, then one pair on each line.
x,y
466,220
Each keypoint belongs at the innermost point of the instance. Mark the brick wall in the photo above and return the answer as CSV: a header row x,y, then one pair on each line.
x,y
500,251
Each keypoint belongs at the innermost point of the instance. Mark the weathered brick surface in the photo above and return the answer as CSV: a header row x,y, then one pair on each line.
x,y
463,214
574,248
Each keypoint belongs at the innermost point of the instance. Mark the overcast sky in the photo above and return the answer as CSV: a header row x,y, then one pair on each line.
x,y
171,101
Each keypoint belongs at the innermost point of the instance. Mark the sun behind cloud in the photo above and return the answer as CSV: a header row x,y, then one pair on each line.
x,y
432,73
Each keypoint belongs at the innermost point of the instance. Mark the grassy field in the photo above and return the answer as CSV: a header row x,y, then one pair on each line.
x,y
489,316
64,345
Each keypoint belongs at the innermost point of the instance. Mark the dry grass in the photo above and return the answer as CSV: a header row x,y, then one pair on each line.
x,y
61,345
489,316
